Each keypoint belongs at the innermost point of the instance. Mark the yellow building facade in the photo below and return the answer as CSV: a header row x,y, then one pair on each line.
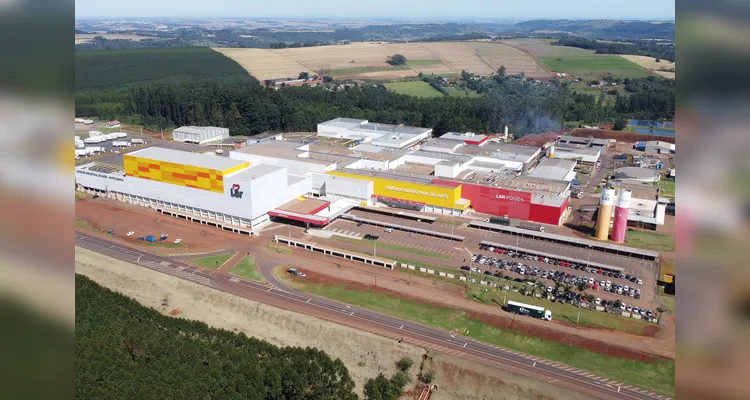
x,y
178,174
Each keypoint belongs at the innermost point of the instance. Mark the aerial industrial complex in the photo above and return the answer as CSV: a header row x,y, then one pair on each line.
x,y
354,162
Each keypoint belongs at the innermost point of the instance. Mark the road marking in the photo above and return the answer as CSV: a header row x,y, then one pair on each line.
x,y
308,300
269,289
352,313
402,327
553,380
465,344
534,364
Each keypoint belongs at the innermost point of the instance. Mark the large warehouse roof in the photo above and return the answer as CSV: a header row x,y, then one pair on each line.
x,y
553,168
186,158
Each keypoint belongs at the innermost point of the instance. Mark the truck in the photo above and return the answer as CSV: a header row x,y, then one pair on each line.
x,y
81,152
150,238
527,309
88,121
94,149
119,135
136,141
531,226
120,144
94,133
498,220
80,144
588,207
95,139
219,151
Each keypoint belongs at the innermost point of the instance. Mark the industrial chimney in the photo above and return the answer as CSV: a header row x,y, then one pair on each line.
x,y
605,213
621,216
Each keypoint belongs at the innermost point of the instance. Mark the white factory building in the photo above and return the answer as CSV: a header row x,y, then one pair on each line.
x,y
382,135
199,134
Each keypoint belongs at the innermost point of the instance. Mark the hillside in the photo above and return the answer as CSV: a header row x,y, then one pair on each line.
x,y
601,29
127,351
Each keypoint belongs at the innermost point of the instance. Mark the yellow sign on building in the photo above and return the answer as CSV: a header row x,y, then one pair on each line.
x,y
434,195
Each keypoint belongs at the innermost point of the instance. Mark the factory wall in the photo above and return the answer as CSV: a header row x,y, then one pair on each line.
x,y
514,204
349,188
447,171
440,196
331,131
178,174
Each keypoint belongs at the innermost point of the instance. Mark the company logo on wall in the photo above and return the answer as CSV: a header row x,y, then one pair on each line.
x,y
606,197
509,198
235,191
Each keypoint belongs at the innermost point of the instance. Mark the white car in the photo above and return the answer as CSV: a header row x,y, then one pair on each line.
x,y
640,281
626,289
619,291
301,274
629,308
602,284
622,306
608,284
549,289
591,281
131,233
177,241
598,301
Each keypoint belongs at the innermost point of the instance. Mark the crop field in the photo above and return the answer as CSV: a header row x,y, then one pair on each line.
x,y
265,64
368,60
413,88
592,67
89,37
543,47
650,64
118,68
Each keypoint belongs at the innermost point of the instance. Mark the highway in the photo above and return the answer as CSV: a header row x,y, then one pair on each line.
x,y
282,296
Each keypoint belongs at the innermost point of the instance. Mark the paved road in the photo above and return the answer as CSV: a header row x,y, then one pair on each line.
x,y
278,294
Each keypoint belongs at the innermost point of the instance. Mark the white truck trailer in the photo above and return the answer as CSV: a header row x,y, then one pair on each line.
x,y
528,309
136,141
120,144
95,133
95,139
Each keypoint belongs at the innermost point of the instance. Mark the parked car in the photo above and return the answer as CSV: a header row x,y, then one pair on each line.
x,y
176,241
131,233
623,306
640,281
141,238
598,301
629,308
466,268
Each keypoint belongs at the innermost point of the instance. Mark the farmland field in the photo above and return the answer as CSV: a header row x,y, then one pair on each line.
x,y
593,66
368,60
543,47
650,64
413,88
89,37
117,68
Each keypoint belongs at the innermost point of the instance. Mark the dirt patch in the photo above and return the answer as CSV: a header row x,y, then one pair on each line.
x,y
496,321
620,136
540,139
364,354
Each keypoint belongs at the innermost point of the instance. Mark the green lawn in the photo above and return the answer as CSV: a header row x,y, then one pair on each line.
x,y
165,245
668,187
416,63
592,67
211,262
246,269
413,88
280,248
82,223
657,376
393,247
460,92
564,312
649,240
666,300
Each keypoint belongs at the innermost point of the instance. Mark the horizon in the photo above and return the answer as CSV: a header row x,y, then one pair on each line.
x,y
638,10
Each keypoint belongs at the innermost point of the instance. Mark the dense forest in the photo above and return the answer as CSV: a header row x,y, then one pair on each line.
x,y
639,48
127,351
246,107
117,69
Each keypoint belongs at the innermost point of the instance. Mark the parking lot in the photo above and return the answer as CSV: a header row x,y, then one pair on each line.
x,y
461,252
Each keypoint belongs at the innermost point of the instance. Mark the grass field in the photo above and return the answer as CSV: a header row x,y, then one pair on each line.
x,y
419,63
649,240
666,300
394,247
650,64
364,70
459,92
211,262
246,269
280,248
668,187
82,223
567,312
543,47
118,68
657,376
592,67
413,88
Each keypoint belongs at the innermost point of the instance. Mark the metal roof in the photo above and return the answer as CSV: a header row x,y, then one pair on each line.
x,y
197,129
187,158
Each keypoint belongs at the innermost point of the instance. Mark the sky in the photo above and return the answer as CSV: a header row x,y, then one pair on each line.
x,y
423,9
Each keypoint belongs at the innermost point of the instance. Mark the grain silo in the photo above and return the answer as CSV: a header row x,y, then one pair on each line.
x,y
605,213
621,216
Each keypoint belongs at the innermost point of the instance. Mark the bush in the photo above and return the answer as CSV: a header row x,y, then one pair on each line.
x,y
404,364
620,124
396,59
427,377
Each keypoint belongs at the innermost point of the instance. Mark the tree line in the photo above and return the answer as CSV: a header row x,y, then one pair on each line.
x,y
126,351
247,107
638,48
